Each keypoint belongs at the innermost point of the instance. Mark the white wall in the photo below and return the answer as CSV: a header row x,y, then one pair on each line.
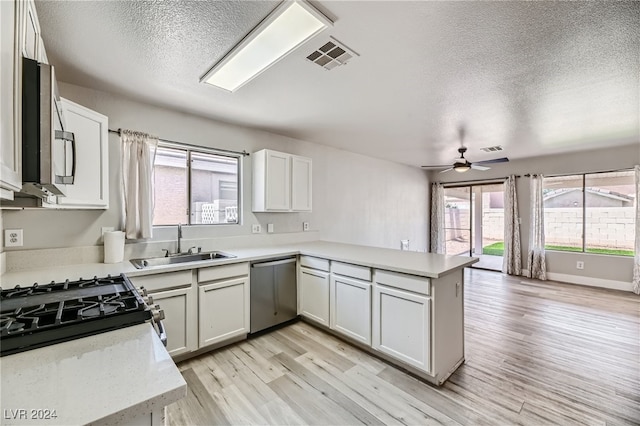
x,y
356,199
598,269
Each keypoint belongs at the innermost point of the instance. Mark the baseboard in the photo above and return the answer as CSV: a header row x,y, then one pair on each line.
x,y
588,281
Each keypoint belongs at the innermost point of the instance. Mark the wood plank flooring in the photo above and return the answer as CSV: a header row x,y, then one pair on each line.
x,y
537,353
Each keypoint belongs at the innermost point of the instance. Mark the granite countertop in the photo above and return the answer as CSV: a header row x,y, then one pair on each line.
x,y
416,263
107,378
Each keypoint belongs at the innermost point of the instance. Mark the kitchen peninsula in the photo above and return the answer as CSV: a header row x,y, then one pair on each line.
x,y
406,307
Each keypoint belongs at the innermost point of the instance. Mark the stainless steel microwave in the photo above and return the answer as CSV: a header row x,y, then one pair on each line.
x,y
48,152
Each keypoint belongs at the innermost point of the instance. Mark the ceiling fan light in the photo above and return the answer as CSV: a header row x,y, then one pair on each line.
x,y
291,24
461,168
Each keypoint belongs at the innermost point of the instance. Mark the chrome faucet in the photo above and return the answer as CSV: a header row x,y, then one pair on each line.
x,y
179,237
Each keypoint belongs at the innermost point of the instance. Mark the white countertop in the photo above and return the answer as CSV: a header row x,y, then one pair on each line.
x,y
88,379
423,264
122,372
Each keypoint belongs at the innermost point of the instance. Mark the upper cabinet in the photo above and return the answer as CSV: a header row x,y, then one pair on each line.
x,y
281,182
11,36
90,188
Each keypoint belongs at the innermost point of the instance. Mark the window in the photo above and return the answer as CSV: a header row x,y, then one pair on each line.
x,y
195,187
591,213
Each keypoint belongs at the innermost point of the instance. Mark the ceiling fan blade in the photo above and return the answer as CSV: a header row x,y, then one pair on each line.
x,y
475,166
449,169
495,160
436,167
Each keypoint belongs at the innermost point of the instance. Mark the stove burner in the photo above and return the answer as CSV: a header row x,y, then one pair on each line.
x,y
100,309
11,325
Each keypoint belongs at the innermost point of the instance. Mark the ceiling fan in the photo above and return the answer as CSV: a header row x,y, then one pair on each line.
x,y
461,164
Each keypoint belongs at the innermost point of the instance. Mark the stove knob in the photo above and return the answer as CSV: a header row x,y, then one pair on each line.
x,y
142,291
158,314
148,300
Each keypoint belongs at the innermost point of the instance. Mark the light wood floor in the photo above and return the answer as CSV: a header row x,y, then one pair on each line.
x,y
536,353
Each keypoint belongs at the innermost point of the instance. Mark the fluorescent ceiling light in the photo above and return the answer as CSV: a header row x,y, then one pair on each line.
x,y
287,27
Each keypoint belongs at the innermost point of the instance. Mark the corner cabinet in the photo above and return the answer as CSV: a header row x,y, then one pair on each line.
x,y
281,182
90,189
313,289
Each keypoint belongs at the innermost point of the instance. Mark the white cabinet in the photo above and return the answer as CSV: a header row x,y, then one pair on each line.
x,y
90,189
31,34
176,295
281,182
401,325
223,303
350,306
314,295
178,306
223,310
11,31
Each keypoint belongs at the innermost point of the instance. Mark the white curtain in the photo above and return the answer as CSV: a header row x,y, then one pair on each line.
x,y
512,261
437,218
138,155
537,262
636,259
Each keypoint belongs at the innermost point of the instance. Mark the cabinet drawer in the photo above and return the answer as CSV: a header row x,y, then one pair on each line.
x,y
314,263
349,270
164,281
214,273
414,283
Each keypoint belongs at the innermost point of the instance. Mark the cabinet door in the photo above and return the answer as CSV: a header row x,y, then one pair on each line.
x,y
91,185
401,326
31,31
179,310
11,23
223,310
277,187
301,185
314,295
350,306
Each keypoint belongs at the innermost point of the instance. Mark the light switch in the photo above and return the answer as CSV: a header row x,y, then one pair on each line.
x,y
270,228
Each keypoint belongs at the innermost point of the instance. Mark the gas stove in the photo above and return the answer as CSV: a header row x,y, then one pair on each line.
x,y
41,315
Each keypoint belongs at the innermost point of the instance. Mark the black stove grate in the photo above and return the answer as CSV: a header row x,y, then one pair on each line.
x,y
42,315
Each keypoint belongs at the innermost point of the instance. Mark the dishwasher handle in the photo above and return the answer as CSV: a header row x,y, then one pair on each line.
x,y
274,263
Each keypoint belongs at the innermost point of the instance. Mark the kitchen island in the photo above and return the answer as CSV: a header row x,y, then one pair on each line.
x,y
406,307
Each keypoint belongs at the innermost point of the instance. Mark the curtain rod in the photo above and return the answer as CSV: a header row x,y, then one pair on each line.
x,y
244,153
582,173
464,182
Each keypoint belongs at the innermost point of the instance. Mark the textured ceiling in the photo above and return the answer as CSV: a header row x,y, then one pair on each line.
x,y
534,77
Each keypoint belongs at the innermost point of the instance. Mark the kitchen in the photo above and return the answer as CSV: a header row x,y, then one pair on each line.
x,y
357,198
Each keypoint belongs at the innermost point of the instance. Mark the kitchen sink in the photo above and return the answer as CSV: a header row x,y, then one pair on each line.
x,y
179,258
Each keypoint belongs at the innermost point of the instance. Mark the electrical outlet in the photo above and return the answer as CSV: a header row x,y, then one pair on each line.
x,y
579,264
404,244
105,229
13,238
256,229
270,228
305,226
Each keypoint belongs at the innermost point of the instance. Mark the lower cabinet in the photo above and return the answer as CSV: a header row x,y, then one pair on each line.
x,y
223,310
176,295
178,306
314,295
402,325
350,306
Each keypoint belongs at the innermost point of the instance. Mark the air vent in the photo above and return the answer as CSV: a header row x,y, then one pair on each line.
x,y
491,148
331,54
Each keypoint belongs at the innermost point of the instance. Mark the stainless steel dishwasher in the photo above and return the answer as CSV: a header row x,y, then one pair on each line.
x,y
274,297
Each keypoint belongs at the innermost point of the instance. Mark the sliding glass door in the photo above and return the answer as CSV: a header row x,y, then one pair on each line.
x,y
474,223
